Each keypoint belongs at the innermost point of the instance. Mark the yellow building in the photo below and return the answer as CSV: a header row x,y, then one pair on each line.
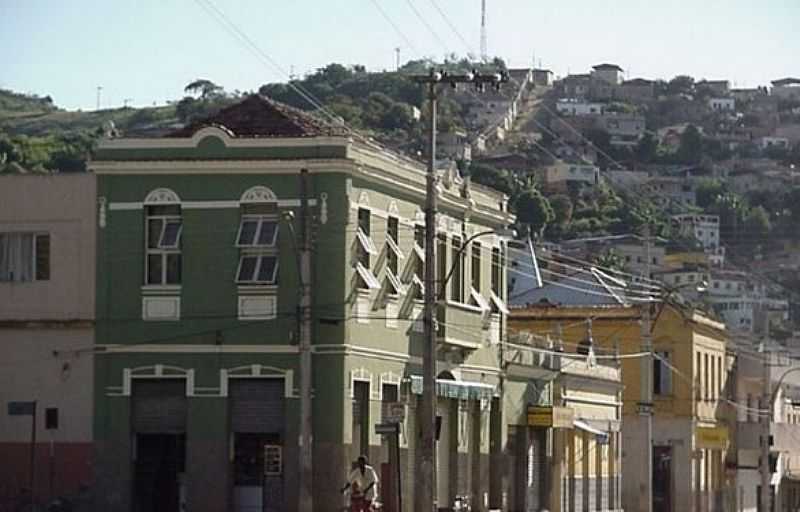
x,y
690,431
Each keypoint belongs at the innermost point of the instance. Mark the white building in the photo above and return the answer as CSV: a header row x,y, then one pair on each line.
x,y
786,88
773,142
561,173
722,104
573,107
704,228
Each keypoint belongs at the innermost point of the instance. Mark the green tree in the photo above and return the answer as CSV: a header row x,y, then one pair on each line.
x,y
205,88
492,177
534,211
690,150
562,208
647,149
707,192
757,224
681,84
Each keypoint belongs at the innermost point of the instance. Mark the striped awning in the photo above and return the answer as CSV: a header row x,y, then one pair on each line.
x,y
462,390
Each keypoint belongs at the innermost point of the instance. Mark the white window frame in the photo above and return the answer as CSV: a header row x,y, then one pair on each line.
x,y
260,258
367,277
34,254
161,250
394,248
261,220
666,373
399,288
479,300
366,242
501,305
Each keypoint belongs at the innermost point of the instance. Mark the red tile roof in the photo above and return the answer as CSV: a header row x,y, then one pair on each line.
x,y
259,116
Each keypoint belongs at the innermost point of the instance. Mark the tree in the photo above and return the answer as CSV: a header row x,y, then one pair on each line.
x,y
647,149
757,224
707,192
534,211
681,84
690,150
492,177
562,208
206,88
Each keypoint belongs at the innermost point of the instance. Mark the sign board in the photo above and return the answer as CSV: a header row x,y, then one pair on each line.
x,y
386,429
555,417
396,413
711,438
644,408
21,408
273,460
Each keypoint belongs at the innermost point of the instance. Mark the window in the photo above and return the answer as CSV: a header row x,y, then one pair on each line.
x,y
662,375
496,270
393,252
364,250
257,241
706,375
419,236
476,266
699,375
164,232
24,257
441,260
457,279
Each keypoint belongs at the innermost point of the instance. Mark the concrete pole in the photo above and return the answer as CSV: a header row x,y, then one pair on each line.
x,y
646,396
766,417
306,498
427,481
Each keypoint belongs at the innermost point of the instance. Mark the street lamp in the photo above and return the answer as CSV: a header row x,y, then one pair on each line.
x,y
502,233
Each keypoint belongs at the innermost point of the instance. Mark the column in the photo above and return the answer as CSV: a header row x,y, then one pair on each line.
x,y
571,471
556,473
612,470
598,476
585,471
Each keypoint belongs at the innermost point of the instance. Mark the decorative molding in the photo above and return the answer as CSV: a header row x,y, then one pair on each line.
x,y
157,371
201,349
363,199
258,194
323,209
389,379
360,375
161,308
392,209
162,196
257,371
205,205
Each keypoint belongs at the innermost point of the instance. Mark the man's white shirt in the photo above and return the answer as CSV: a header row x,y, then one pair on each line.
x,y
363,480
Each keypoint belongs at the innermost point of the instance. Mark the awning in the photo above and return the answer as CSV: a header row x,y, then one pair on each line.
x,y
588,428
463,390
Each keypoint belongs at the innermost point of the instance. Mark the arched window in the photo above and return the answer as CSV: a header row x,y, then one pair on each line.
x,y
163,234
257,238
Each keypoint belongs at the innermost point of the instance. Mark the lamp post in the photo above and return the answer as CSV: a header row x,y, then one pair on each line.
x,y
427,473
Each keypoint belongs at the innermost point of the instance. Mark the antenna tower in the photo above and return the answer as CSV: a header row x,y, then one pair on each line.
x,y
484,50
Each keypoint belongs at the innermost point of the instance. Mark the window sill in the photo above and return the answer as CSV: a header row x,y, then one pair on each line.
x,y
464,306
158,289
257,289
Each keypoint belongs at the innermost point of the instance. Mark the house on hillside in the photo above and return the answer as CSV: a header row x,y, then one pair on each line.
x,y
542,77
722,104
773,142
453,144
575,86
718,87
748,94
610,73
575,107
559,176
625,129
637,90
786,88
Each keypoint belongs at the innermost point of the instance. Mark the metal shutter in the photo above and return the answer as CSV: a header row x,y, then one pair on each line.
x,y
257,405
159,406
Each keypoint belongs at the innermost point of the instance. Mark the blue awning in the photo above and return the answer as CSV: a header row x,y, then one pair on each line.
x,y
462,390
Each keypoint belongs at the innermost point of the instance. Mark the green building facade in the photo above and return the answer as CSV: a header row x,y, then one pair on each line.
x,y
197,367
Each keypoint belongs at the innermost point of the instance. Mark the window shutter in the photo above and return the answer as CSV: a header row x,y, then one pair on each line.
x,y
42,257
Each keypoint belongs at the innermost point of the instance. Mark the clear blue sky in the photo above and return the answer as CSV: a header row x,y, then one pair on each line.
x,y
148,50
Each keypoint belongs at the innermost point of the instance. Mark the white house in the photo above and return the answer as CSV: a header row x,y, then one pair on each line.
x,y
722,104
786,88
558,175
773,142
705,228
572,107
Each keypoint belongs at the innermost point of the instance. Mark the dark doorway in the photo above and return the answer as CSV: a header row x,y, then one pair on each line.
x,y
159,460
662,479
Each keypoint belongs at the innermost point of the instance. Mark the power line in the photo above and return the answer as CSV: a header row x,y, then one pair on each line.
x,y
452,26
396,28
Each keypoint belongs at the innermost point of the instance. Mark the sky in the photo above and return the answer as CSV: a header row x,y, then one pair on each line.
x,y
146,51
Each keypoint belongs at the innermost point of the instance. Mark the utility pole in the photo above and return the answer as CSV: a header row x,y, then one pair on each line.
x,y
484,43
645,405
766,418
306,501
397,58
427,480
99,90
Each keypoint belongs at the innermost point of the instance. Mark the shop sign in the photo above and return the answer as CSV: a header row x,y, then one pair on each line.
x,y
555,417
711,438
